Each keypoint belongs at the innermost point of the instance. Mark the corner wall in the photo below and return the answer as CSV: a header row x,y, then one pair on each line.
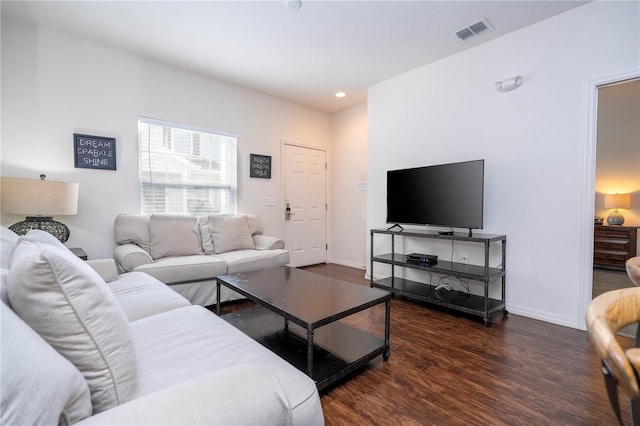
x,y
54,85
533,140
348,170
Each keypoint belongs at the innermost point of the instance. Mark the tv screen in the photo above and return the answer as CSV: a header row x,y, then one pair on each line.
x,y
448,195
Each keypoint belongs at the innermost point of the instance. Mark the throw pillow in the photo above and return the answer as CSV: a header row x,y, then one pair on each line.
x,y
67,303
255,224
174,236
9,242
39,386
39,236
230,232
132,229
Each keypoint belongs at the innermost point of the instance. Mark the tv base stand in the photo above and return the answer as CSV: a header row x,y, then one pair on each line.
x,y
480,305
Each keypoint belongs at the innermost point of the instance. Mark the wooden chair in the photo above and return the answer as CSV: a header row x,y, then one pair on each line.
x,y
607,314
633,269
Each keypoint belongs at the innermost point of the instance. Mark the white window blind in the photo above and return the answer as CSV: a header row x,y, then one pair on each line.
x,y
186,171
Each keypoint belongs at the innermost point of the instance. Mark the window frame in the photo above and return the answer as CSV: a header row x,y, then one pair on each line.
x,y
224,154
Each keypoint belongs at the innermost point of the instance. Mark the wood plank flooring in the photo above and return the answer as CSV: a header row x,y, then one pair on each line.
x,y
448,369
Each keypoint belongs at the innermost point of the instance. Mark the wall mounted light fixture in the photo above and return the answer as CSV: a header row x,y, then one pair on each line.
x,y
509,84
293,4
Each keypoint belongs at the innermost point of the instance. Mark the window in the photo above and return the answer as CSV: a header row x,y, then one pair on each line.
x,y
186,171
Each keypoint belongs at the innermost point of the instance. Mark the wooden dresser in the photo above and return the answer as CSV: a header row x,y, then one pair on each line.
x,y
613,245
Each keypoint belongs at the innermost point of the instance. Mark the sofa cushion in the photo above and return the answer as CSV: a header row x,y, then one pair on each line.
x,y
70,306
230,232
132,229
39,386
239,395
254,260
172,270
174,235
141,295
203,341
255,224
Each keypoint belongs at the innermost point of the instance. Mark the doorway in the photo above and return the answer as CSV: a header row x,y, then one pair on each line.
x,y
595,172
305,207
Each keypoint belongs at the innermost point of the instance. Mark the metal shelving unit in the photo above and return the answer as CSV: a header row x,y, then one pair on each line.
x,y
482,306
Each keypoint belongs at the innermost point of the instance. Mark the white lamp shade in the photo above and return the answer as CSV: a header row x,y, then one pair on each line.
x,y
617,201
38,197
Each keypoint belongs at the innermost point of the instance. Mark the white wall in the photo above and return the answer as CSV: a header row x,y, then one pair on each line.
x,y
54,85
534,140
348,170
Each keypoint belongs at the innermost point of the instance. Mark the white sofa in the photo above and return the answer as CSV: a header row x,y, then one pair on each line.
x,y
78,350
187,253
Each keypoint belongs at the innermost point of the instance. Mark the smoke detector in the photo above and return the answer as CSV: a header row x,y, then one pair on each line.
x,y
474,29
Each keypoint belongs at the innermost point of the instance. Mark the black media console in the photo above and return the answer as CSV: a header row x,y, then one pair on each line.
x,y
483,305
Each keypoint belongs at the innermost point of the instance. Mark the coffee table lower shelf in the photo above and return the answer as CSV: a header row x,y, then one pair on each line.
x,y
338,349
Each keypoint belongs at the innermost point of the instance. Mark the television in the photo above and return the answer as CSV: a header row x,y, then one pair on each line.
x,y
447,195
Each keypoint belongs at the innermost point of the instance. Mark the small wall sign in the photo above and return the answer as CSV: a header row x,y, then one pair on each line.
x,y
94,152
260,166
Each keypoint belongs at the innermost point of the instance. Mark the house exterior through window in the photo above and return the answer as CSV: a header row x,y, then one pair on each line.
x,y
185,170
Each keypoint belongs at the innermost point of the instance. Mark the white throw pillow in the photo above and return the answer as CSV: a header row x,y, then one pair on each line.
x,y
39,236
230,232
39,386
71,307
9,242
174,236
132,229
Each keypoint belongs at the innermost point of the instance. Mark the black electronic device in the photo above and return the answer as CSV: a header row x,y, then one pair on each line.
x,y
448,195
422,259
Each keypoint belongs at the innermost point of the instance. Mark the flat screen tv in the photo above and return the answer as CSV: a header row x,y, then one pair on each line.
x,y
448,195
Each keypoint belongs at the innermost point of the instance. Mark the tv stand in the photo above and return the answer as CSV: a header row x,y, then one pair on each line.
x,y
397,225
482,306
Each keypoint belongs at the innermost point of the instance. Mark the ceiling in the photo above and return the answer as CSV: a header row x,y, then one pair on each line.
x,y
303,56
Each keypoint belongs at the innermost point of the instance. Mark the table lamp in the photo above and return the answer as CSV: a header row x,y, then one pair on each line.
x,y
39,200
616,201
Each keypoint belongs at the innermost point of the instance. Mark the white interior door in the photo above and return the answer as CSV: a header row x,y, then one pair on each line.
x,y
305,197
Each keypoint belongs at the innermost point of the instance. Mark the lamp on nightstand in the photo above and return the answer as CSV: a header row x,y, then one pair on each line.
x,y
616,201
39,200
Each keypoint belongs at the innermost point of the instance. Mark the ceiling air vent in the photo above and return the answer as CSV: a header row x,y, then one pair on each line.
x,y
474,29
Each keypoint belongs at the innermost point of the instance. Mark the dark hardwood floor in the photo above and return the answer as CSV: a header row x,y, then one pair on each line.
x,y
447,369
451,369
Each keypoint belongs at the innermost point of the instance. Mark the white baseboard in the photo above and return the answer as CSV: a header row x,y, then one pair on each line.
x,y
348,263
546,317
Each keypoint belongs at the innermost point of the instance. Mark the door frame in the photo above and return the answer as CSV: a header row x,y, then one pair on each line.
x,y
327,221
589,193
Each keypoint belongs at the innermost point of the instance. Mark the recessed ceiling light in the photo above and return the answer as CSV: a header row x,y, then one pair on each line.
x,y
340,95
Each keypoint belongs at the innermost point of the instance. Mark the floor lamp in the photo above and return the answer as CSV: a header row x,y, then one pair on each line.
x,y
39,200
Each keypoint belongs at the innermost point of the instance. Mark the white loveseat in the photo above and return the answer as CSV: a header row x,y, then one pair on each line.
x,y
78,349
187,253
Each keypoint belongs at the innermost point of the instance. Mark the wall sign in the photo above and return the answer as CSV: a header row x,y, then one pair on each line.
x,y
94,152
260,166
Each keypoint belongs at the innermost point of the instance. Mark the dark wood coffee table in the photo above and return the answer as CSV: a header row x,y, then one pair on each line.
x,y
298,315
